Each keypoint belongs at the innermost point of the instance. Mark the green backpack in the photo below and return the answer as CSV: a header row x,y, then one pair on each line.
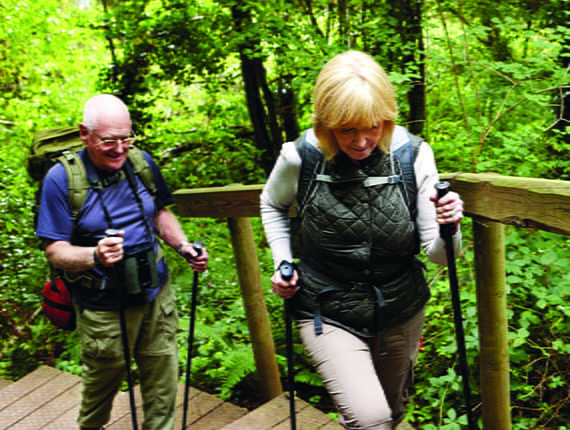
x,y
48,146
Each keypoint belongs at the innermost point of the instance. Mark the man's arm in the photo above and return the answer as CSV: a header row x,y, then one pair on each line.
x,y
168,229
65,256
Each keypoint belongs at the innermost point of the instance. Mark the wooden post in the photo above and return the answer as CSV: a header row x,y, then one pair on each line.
x,y
255,309
493,330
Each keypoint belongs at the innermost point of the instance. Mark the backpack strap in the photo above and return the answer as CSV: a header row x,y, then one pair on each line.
x,y
78,183
405,157
142,169
311,162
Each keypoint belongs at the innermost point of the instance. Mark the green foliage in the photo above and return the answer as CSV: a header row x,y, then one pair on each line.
x,y
49,61
539,331
495,73
538,288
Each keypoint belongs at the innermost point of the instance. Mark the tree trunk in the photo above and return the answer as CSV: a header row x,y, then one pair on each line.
x,y
267,135
417,94
563,100
409,30
288,111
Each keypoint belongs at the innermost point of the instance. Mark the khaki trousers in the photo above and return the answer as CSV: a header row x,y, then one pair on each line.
x,y
151,330
369,389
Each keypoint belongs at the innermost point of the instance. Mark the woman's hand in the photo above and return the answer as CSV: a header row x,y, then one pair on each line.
x,y
449,208
284,289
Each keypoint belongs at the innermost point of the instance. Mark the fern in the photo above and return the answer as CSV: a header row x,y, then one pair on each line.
x,y
238,363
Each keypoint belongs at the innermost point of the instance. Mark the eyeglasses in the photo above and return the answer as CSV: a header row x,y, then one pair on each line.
x,y
107,144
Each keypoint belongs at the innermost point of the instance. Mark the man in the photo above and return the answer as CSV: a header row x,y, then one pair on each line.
x,y
96,265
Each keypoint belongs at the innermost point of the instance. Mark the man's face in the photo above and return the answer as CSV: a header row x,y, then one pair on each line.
x,y
106,145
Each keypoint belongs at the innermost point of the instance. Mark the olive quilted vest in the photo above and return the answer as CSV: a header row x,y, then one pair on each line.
x,y
358,242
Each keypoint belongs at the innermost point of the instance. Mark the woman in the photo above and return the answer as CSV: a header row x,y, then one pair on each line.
x,y
359,291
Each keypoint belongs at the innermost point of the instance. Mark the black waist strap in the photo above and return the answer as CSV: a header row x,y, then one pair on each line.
x,y
333,286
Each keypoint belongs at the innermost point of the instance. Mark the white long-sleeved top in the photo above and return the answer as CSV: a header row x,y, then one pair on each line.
x,y
281,189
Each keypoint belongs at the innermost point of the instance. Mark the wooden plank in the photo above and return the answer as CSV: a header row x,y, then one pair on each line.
x,y
265,417
68,420
526,202
333,425
194,396
308,418
205,412
26,385
192,393
121,415
35,399
52,398
199,406
224,414
58,406
231,201
4,383
271,415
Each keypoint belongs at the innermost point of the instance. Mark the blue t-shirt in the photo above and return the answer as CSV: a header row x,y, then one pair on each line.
x,y
55,222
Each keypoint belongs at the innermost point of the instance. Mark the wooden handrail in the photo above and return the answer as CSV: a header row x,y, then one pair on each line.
x,y
231,201
527,202
491,200
542,204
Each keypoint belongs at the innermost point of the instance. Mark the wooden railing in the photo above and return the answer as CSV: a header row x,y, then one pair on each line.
x,y
492,201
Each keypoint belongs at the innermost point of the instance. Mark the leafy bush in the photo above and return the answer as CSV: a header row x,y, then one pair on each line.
x,y
486,112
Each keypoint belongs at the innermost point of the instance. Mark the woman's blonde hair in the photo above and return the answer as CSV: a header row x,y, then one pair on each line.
x,y
352,89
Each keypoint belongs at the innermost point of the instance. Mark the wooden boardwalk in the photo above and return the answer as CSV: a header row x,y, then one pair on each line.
x,y
48,399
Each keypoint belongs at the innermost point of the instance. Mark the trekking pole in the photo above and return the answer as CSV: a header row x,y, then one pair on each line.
x,y
286,269
198,246
126,351
446,232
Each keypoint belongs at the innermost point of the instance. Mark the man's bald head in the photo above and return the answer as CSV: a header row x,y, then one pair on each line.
x,y
103,108
105,129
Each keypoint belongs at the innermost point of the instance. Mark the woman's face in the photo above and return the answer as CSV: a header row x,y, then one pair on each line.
x,y
358,140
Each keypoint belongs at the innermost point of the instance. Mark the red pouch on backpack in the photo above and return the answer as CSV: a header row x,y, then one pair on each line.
x,y
57,304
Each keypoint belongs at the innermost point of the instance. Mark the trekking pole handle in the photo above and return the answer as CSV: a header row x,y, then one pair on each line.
x,y
112,232
286,269
442,189
445,230
198,247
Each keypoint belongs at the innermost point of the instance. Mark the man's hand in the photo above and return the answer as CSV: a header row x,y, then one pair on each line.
x,y
198,262
110,249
